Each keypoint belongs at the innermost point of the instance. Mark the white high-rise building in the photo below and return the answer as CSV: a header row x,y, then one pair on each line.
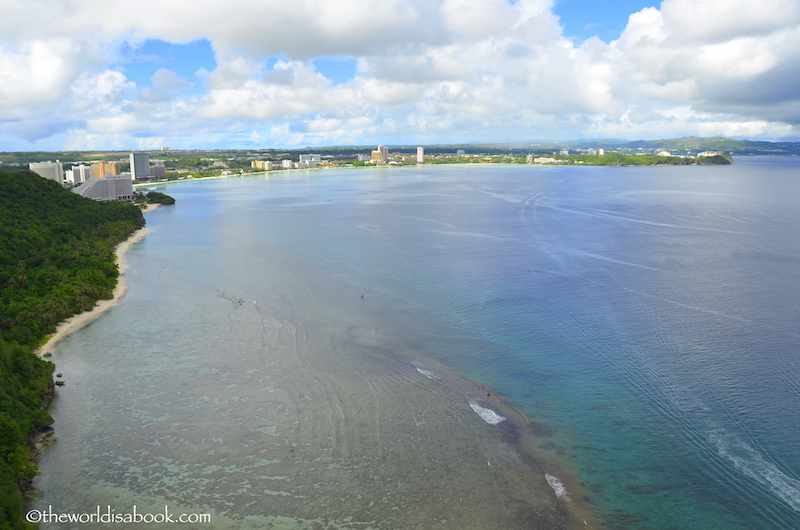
x,y
81,174
140,166
384,152
49,170
420,155
310,160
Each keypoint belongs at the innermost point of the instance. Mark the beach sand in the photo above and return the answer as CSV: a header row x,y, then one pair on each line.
x,y
78,321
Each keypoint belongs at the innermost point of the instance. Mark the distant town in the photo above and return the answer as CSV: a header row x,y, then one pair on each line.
x,y
112,175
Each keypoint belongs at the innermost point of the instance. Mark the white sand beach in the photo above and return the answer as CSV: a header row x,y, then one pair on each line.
x,y
78,321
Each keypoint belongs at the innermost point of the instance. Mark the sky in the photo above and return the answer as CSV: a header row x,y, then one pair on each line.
x,y
248,74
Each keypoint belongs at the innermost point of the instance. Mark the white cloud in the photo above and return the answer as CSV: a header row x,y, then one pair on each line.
x,y
390,92
715,21
475,19
738,57
120,123
169,80
437,69
35,72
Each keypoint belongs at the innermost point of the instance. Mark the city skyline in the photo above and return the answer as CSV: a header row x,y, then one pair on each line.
x,y
89,75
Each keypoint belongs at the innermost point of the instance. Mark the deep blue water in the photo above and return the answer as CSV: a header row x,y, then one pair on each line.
x,y
648,316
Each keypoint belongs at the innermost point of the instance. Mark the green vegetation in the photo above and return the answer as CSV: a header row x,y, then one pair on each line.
x,y
617,159
476,159
686,145
80,157
693,143
153,197
56,260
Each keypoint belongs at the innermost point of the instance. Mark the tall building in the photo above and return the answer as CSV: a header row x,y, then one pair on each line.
x,y
140,166
49,170
266,165
420,155
384,152
101,169
78,174
377,156
110,188
81,173
158,170
310,160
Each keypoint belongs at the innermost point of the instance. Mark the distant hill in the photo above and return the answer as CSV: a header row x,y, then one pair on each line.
x,y
689,143
694,143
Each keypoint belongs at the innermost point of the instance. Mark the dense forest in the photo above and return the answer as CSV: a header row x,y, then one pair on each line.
x,y
56,260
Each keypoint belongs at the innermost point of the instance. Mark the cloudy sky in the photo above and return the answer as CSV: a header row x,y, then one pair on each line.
x,y
108,74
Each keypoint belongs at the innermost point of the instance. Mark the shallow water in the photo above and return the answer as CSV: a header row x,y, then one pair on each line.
x,y
643,318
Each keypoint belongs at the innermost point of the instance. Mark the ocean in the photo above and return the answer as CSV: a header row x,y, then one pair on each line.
x,y
356,348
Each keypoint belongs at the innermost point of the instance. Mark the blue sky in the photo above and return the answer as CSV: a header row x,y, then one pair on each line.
x,y
586,18
141,60
269,73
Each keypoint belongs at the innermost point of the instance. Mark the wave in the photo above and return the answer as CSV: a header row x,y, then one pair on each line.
x,y
488,415
750,462
558,487
427,372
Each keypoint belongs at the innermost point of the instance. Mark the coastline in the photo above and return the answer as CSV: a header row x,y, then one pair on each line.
x,y
76,322
517,441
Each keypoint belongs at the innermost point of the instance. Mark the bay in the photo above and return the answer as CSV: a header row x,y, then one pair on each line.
x,y
287,352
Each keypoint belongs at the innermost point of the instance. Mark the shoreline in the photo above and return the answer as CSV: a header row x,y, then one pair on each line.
x,y
76,322
565,163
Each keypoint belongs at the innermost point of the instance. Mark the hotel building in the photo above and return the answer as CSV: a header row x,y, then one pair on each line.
x,y
140,166
49,170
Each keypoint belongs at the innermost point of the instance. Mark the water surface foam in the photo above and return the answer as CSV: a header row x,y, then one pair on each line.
x,y
488,415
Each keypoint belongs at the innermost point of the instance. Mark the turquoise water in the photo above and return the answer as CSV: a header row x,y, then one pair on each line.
x,y
644,318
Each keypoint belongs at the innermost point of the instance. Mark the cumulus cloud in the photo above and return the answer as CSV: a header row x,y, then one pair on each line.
x,y
169,80
734,57
709,22
475,19
442,70
36,71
